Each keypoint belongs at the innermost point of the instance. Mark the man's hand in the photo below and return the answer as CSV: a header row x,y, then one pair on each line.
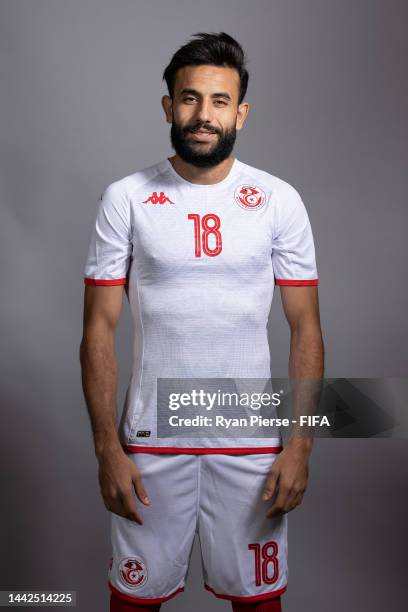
x,y
287,478
119,478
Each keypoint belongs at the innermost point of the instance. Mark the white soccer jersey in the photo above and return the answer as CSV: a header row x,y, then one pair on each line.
x,y
200,263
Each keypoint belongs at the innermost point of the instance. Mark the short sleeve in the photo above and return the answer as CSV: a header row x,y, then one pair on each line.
x,y
110,247
293,251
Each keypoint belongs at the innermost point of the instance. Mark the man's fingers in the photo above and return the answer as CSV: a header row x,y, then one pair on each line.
x,y
140,490
119,480
298,499
130,510
270,485
278,507
123,504
288,498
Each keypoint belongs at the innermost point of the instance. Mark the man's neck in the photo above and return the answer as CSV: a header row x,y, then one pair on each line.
x,y
202,176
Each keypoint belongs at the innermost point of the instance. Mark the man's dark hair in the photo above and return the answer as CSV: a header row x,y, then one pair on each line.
x,y
209,48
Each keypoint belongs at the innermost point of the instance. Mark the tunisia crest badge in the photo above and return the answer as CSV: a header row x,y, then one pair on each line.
x,y
249,197
132,572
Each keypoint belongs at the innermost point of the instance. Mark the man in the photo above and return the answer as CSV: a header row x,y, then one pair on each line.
x,y
198,241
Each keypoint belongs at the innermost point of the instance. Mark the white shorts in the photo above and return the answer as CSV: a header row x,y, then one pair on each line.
x,y
217,496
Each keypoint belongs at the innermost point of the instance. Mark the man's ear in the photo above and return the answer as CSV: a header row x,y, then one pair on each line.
x,y
243,110
167,105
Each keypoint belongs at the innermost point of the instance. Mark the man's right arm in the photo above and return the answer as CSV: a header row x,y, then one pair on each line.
x,y
119,477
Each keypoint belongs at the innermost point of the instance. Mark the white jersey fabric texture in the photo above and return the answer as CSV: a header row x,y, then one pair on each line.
x,y
199,263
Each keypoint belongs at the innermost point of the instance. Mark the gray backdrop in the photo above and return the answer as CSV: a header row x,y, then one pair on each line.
x,y
81,88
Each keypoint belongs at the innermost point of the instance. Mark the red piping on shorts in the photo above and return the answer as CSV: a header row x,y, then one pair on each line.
x,y
144,600
283,281
270,595
106,282
201,451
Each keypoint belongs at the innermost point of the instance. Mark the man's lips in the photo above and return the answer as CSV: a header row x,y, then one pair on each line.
x,y
202,135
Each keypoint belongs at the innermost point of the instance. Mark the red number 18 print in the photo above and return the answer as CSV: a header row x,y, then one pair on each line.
x,y
265,556
202,231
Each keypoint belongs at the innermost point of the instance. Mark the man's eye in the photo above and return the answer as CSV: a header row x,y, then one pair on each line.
x,y
189,99
221,102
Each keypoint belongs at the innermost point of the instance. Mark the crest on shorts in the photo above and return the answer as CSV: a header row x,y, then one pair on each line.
x,y
133,572
249,197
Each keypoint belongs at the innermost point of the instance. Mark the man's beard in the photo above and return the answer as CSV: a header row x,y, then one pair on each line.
x,y
192,154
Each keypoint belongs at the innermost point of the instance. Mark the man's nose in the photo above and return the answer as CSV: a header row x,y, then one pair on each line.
x,y
204,113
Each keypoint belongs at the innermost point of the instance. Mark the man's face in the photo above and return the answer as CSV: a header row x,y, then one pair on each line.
x,y
204,113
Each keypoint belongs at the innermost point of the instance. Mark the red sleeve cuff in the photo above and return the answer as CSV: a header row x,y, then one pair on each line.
x,y
296,283
107,282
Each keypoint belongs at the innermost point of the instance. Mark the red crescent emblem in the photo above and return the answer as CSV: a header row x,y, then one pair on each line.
x,y
132,572
249,197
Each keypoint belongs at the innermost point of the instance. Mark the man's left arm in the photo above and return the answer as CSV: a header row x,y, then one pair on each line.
x,y
287,479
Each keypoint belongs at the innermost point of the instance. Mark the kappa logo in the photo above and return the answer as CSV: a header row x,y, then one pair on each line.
x,y
133,572
158,199
249,197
